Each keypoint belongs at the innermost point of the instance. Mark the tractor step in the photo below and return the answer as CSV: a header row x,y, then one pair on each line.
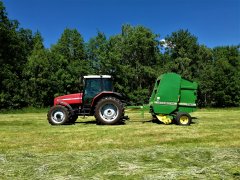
x,y
85,112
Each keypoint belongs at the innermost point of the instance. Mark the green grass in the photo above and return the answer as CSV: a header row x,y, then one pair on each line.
x,y
208,149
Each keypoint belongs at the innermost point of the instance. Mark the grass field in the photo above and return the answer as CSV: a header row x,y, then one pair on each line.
x,y
208,149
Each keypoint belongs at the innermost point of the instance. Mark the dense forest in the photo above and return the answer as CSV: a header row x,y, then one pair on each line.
x,y
32,75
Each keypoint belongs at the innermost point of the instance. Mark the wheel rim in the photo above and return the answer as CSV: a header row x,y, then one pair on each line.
x,y
58,116
184,120
109,112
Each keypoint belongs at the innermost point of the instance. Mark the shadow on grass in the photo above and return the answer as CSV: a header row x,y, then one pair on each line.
x,y
96,123
194,122
147,121
155,121
86,122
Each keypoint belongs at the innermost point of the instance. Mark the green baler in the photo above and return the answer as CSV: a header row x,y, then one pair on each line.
x,y
173,98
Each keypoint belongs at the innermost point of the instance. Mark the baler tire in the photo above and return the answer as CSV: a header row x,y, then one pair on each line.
x,y
183,119
58,115
109,111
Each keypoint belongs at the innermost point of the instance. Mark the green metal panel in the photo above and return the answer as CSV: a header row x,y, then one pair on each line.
x,y
188,96
166,93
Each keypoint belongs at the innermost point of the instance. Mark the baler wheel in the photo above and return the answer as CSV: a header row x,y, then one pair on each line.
x,y
164,119
183,119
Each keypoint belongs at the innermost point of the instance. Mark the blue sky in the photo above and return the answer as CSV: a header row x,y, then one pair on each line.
x,y
214,22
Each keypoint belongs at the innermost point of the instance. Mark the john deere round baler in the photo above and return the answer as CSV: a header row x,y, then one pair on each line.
x,y
173,98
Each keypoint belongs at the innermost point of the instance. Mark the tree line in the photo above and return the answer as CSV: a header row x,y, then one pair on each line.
x,y
32,75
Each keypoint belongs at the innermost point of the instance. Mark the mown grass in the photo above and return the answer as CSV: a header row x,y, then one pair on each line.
x,y
208,149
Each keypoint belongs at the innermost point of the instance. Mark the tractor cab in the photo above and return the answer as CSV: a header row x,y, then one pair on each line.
x,y
94,85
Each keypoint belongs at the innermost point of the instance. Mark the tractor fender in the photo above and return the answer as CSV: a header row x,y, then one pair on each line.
x,y
62,103
104,94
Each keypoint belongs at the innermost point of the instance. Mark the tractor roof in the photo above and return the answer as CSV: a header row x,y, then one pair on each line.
x,y
96,76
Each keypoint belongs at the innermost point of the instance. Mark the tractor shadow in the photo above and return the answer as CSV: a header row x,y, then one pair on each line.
x,y
86,122
94,122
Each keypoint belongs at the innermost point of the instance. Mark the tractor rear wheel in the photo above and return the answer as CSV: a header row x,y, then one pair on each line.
x,y
183,119
58,115
109,111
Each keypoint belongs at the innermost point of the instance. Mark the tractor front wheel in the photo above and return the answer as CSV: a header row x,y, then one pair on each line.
x,y
183,119
109,111
58,115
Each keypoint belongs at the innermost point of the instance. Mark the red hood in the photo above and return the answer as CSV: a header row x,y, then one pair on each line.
x,y
69,99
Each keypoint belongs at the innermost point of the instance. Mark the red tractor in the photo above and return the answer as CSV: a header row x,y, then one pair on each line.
x,y
97,99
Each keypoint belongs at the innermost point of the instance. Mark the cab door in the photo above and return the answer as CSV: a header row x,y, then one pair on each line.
x,y
93,87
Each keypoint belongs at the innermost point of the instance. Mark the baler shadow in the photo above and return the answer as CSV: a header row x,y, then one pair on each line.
x,y
159,122
146,121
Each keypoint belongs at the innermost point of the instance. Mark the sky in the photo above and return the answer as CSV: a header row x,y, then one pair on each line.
x,y
213,22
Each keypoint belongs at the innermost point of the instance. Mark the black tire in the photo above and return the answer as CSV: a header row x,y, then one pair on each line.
x,y
109,111
183,119
58,115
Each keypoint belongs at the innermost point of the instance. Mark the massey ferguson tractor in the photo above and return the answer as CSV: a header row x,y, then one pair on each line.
x,y
97,99
172,99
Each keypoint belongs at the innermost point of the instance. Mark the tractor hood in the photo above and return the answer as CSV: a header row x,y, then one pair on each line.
x,y
69,99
